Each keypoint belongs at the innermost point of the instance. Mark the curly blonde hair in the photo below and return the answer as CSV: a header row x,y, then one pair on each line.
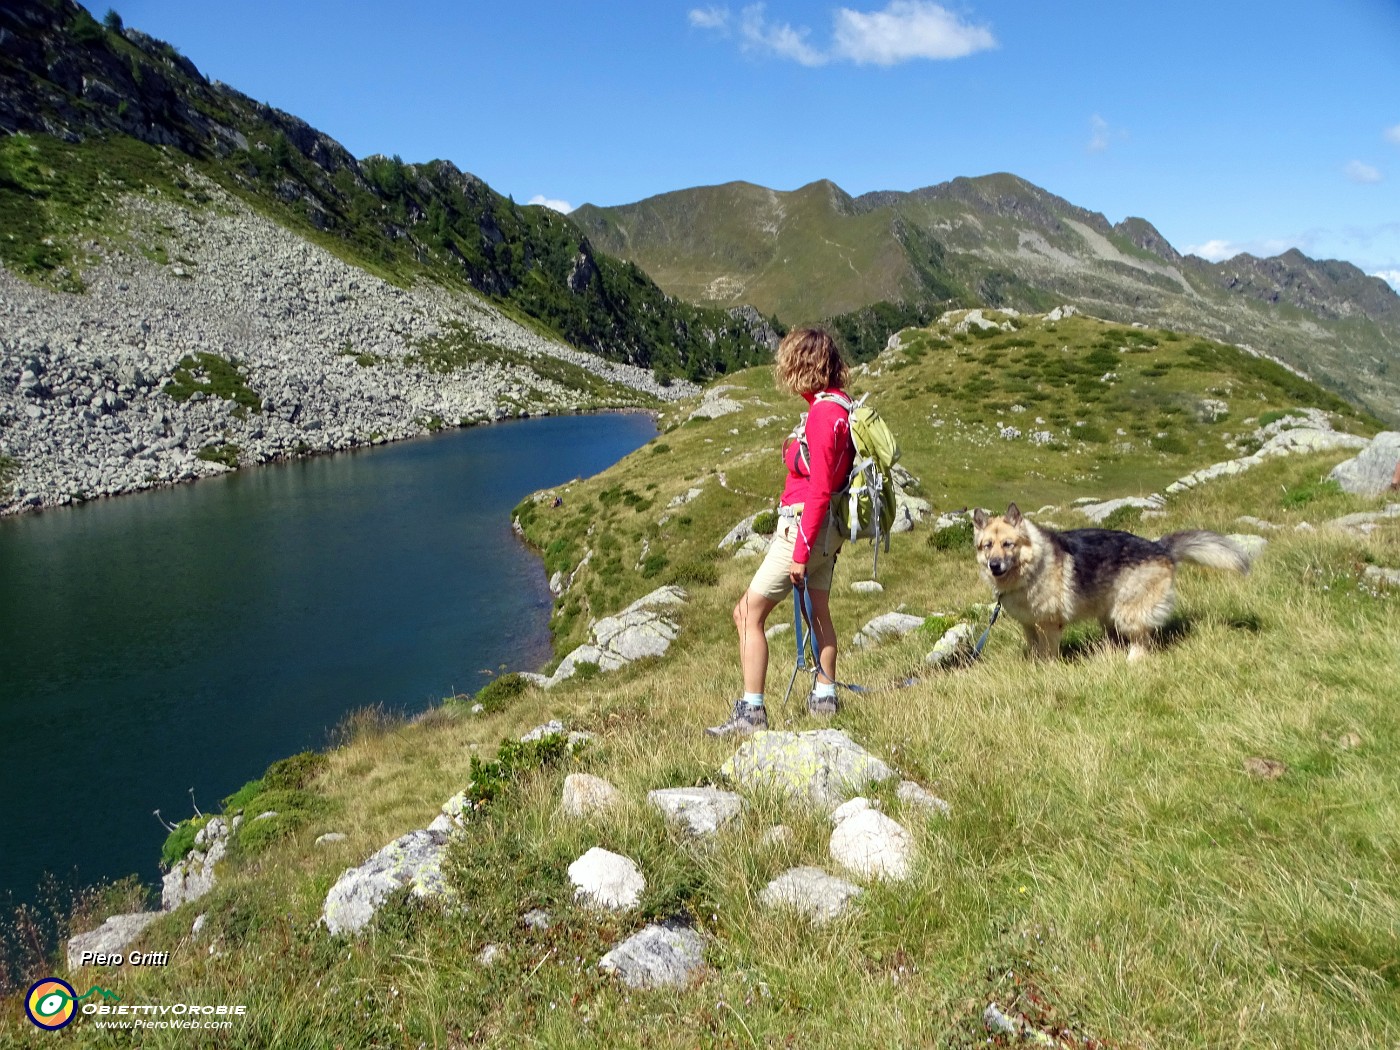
x,y
807,361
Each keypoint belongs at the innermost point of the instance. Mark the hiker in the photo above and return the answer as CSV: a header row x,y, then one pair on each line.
x,y
805,543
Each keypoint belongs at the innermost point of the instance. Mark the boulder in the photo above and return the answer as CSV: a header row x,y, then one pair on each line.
x,y
1373,471
606,880
193,877
412,861
873,846
954,648
659,956
1098,512
886,626
810,891
915,796
699,810
112,936
585,794
820,767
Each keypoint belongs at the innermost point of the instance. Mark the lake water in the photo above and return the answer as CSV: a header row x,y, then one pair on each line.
x,y
186,638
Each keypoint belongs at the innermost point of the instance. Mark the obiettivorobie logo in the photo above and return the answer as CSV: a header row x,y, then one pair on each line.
x,y
52,1003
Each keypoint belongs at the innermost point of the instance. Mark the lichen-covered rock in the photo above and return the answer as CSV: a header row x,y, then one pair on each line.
x,y
812,892
412,861
955,647
640,630
657,957
822,767
699,810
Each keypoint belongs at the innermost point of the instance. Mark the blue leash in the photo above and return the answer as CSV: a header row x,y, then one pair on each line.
x,y
982,642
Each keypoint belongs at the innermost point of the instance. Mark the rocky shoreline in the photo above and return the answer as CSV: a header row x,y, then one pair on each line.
x,y
325,357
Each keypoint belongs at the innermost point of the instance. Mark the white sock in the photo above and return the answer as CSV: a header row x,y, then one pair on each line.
x,y
825,689
753,699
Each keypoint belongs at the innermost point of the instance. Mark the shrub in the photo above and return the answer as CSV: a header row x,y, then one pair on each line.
x,y
500,693
1123,518
696,573
955,537
766,523
295,772
653,564
1310,491
514,759
180,841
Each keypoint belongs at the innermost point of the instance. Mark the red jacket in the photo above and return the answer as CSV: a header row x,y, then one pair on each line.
x,y
831,453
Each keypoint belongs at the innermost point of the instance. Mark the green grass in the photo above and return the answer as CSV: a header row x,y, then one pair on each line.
x,y
1109,866
212,376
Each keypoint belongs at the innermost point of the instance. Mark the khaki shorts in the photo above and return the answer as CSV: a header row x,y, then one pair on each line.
x,y
772,581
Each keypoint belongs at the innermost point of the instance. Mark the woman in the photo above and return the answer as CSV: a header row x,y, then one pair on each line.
x,y
805,544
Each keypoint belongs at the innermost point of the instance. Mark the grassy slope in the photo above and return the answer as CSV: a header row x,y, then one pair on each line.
x,y
1106,854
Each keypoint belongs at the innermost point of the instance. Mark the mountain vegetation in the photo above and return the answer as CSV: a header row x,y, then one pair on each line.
x,y
817,253
95,111
1110,870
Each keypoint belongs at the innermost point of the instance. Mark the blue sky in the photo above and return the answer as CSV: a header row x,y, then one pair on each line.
x,y
1244,126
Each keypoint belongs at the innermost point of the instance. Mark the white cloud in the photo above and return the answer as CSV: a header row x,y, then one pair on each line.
x,y
1219,250
1390,277
904,30
779,38
1098,141
1102,134
563,207
1215,251
1392,134
1364,173
710,17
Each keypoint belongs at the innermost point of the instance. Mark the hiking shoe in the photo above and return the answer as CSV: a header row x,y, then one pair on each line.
x,y
745,719
822,706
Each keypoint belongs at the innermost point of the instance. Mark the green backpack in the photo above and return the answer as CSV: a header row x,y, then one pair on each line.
x,y
865,505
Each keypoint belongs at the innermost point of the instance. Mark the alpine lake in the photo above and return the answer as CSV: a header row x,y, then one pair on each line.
x,y
161,649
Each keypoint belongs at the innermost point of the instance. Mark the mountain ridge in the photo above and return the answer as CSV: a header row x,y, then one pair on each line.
x,y
1000,240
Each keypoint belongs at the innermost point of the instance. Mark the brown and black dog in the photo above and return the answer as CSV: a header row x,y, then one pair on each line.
x,y
1046,579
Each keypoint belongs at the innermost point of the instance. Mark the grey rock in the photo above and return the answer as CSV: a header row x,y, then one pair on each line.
x,y
886,626
818,896
915,796
954,648
194,876
700,810
412,861
657,957
873,845
1098,512
1252,545
868,587
585,794
1372,471
330,838
112,936
606,880
537,919
1382,577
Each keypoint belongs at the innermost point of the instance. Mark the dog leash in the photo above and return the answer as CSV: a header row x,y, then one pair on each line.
x,y
982,642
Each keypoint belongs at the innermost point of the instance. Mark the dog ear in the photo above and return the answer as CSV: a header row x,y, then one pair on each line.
x,y
980,518
1013,515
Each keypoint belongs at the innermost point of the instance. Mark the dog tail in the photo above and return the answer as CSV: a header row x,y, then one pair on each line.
x,y
1210,549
